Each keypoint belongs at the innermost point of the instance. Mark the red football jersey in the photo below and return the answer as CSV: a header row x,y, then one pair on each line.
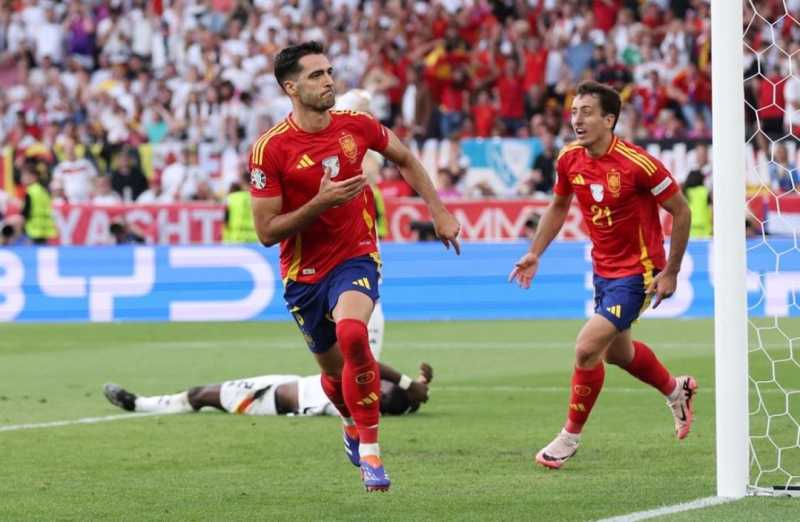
x,y
619,194
287,161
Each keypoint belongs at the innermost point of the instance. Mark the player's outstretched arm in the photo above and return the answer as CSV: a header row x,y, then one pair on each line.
x,y
417,390
447,227
553,219
273,227
666,282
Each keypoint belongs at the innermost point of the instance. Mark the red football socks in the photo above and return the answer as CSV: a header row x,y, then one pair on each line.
x,y
586,386
332,386
646,367
361,383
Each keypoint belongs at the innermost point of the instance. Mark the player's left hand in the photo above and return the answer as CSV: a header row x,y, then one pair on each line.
x,y
663,286
447,230
418,391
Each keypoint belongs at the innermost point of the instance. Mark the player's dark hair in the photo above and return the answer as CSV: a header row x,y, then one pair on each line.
x,y
287,62
610,102
395,401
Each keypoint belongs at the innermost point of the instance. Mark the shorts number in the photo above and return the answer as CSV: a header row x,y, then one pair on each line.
x,y
599,213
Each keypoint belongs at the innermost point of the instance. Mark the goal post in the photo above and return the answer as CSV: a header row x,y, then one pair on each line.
x,y
729,248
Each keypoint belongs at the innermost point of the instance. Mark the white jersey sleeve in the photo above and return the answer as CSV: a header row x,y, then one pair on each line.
x,y
311,399
254,395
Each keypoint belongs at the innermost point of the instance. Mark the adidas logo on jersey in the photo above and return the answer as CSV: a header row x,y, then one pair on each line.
x,y
305,162
363,282
578,180
616,310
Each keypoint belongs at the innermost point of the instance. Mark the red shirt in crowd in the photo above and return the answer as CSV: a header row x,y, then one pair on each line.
x,y
535,66
512,96
605,14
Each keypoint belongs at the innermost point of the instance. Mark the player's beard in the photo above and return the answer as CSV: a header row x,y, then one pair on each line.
x,y
319,103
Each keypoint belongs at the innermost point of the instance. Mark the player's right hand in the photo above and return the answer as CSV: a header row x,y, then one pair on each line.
x,y
447,230
418,391
524,270
332,193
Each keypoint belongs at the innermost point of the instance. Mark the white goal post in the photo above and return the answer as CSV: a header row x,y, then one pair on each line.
x,y
730,295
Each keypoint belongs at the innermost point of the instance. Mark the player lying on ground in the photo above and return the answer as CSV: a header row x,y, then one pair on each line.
x,y
309,194
619,188
276,395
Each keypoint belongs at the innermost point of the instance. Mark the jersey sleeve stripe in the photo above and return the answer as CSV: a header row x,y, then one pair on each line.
x,y
261,144
636,160
639,155
269,133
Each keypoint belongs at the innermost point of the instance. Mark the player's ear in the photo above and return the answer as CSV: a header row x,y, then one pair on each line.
x,y
289,87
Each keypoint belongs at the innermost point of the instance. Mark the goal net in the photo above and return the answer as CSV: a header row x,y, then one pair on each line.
x,y
771,72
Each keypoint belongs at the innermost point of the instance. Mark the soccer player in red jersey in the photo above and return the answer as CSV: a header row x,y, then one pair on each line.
x,y
310,194
619,188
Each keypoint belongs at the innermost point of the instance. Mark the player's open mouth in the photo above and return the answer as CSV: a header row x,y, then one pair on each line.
x,y
580,133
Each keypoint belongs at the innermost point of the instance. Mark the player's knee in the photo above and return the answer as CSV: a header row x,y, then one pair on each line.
x,y
612,359
587,355
195,395
353,341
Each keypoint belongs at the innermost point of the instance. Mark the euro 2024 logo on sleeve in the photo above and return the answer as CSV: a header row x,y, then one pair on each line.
x,y
258,179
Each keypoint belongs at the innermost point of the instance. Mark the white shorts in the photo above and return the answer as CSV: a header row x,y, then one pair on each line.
x,y
254,395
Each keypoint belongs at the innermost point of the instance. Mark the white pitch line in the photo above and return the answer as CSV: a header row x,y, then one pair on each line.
x,y
700,503
85,420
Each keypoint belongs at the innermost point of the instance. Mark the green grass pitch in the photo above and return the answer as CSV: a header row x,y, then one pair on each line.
x,y
499,394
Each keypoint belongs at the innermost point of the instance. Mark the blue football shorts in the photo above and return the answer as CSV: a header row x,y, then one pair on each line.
x,y
620,300
312,304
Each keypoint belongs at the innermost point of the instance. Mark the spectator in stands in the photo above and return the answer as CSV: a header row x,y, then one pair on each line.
x,y
455,98
37,210
423,231
124,234
121,72
543,170
791,94
392,184
445,185
127,178
511,93
699,198
154,195
783,173
692,90
770,100
103,195
531,224
76,175
11,232
175,175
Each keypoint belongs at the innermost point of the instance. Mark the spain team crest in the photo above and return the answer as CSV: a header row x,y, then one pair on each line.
x,y
614,182
331,164
597,191
349,147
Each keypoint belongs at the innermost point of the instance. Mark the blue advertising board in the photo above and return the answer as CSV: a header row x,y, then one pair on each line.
x,y
422,281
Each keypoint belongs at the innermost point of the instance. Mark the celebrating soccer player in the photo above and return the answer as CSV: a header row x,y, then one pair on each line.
x,y
310,194
619,188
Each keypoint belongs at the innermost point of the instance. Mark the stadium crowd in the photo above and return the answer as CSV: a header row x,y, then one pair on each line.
x,y
90,88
